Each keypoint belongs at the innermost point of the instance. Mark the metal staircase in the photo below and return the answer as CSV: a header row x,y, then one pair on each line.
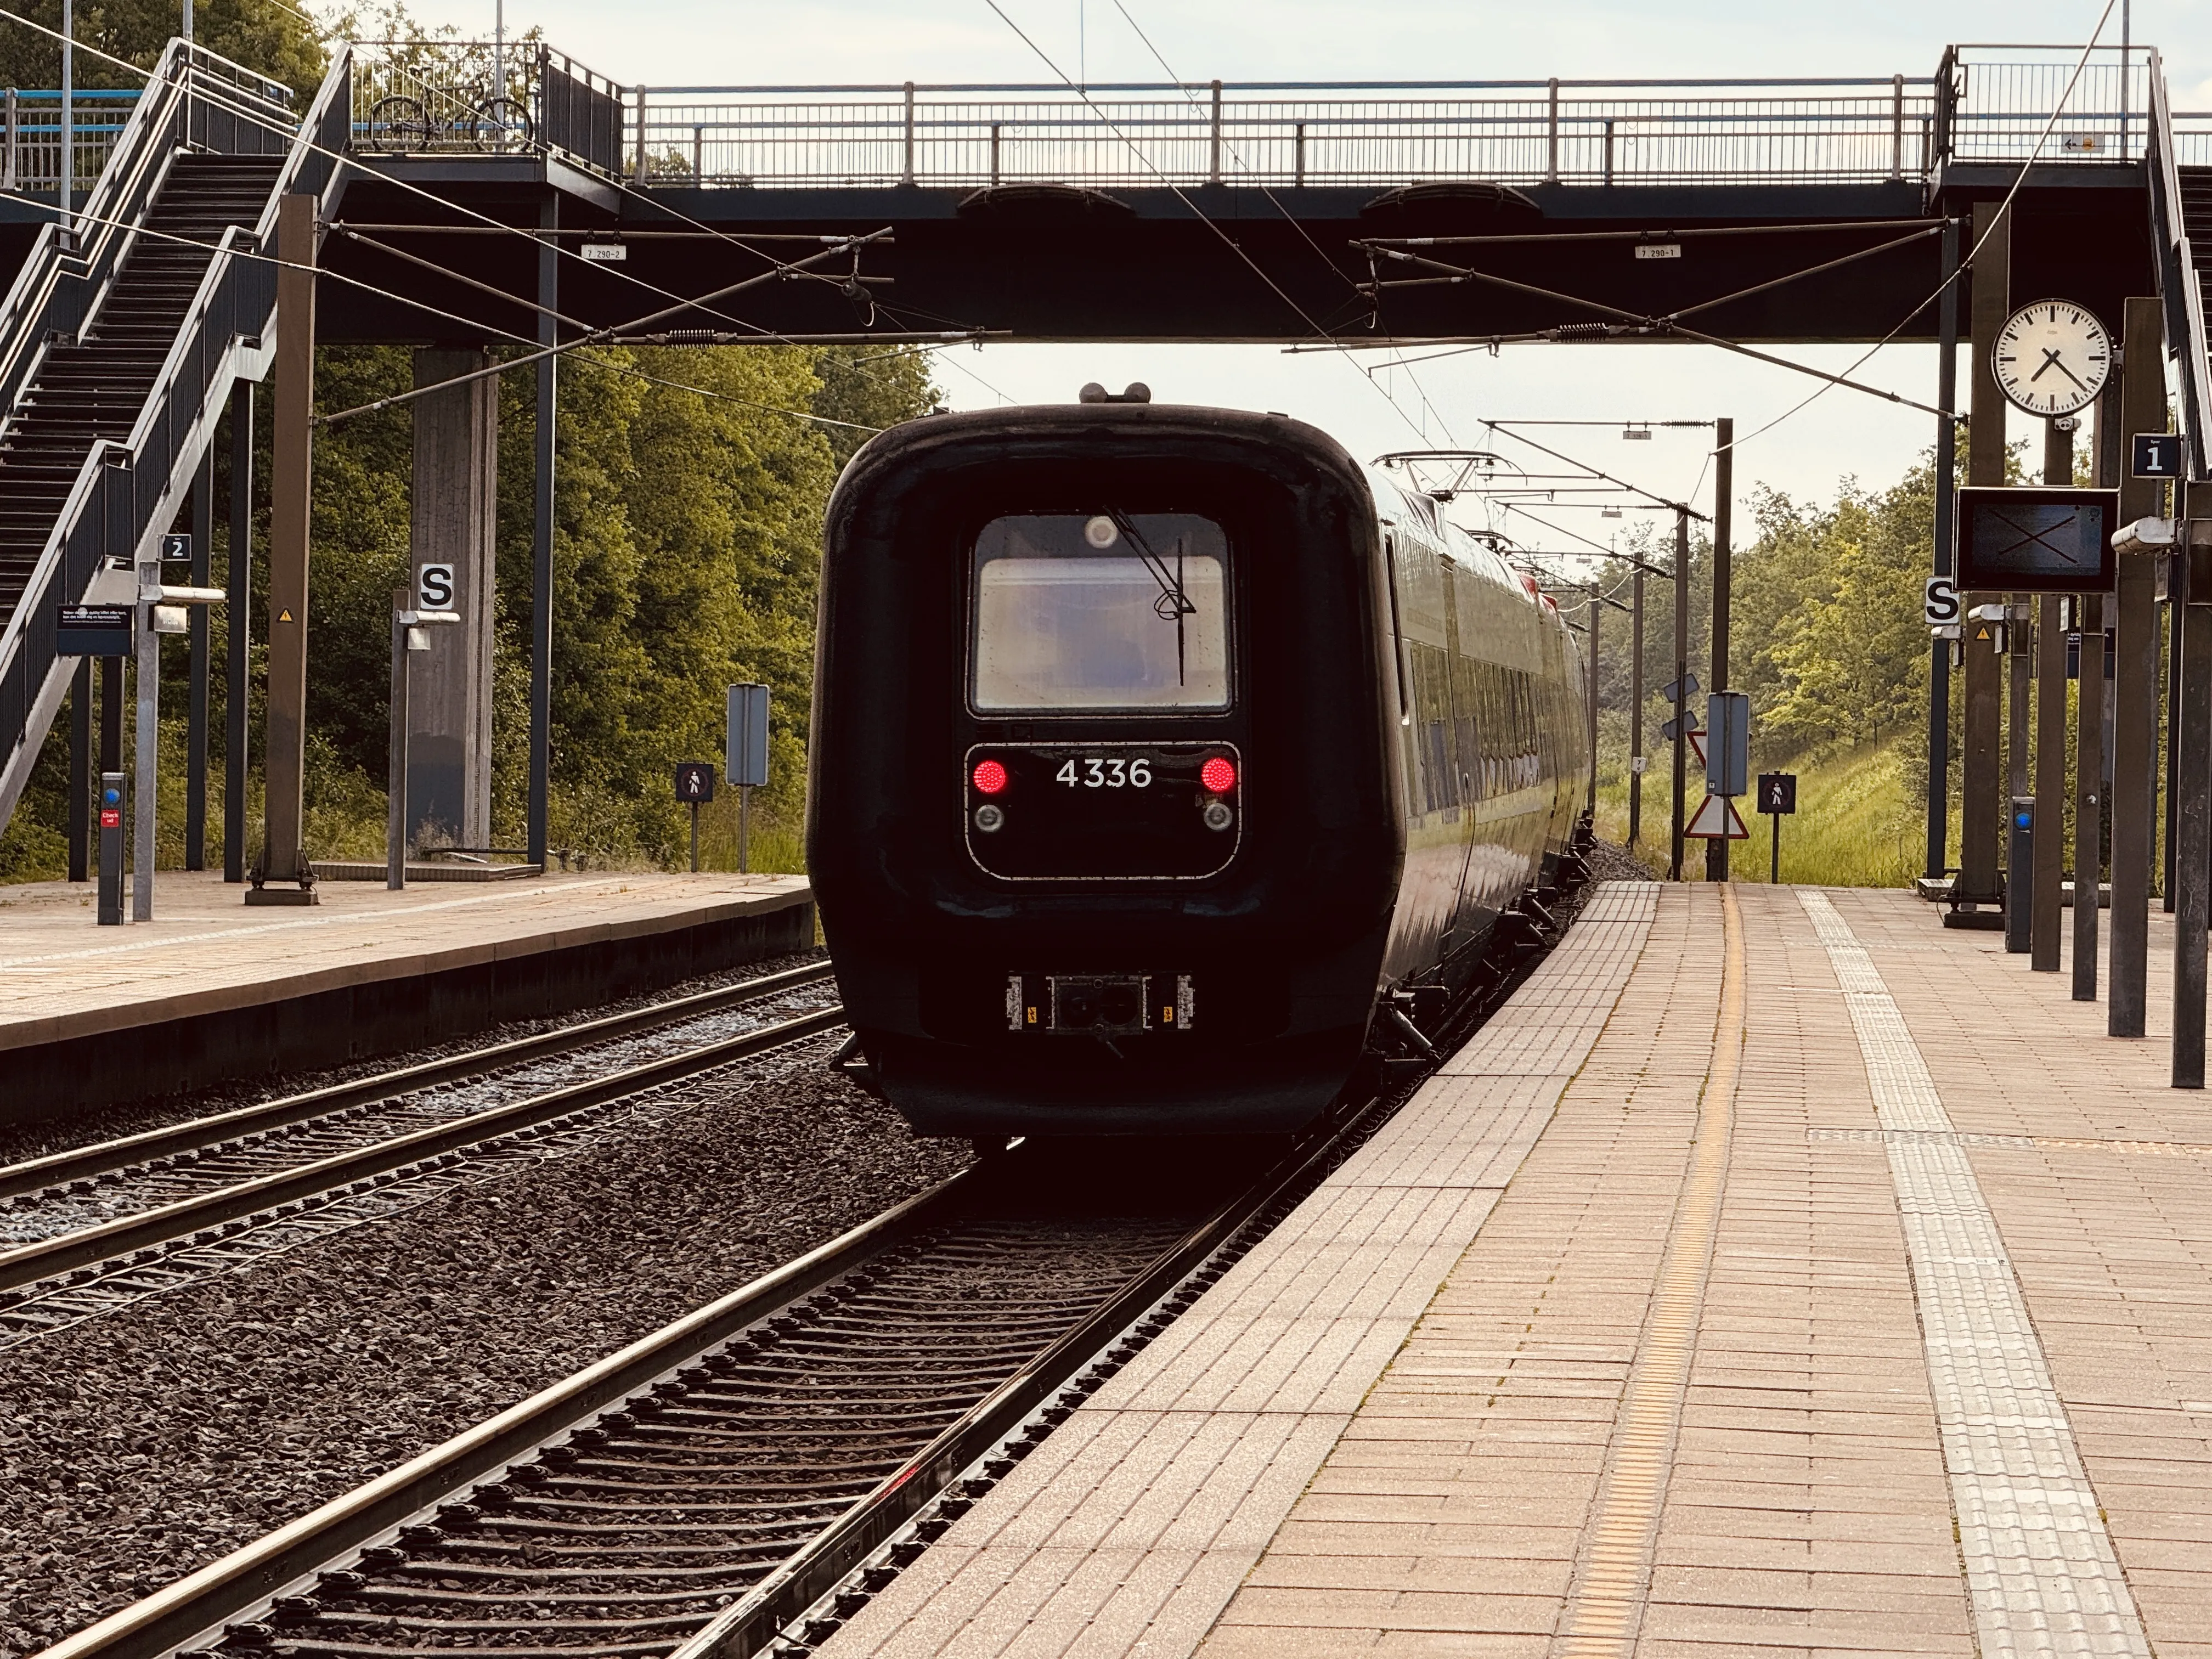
x,y
119,347
2181,229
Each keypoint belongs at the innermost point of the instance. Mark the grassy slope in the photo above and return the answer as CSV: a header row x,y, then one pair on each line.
x,y
1854,827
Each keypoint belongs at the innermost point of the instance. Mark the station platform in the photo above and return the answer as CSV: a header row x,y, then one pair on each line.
x,y
210,989
1777,1274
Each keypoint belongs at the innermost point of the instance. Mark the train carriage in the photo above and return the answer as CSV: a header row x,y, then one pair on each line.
x,y
1154,747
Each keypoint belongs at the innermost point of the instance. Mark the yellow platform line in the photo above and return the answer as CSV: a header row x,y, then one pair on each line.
x,y
1606,1607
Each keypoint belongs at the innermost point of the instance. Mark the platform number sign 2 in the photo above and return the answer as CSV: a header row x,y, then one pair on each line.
x,y
434,587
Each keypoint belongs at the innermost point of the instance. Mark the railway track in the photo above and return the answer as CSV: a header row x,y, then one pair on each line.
x,y
96,1228
740,1480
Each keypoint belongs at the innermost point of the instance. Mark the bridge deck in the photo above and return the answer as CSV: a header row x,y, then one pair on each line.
x,y
1800,1279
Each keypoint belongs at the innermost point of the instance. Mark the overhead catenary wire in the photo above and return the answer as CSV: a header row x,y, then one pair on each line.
x,y
216,248
2005,209
1180,195
213,97
1598,472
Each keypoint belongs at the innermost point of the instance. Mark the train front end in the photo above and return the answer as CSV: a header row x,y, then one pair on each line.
x,y
1100,820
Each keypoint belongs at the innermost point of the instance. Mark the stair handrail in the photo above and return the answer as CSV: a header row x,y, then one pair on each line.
x,y
26,314
238,287
302,156
134,164
2177,279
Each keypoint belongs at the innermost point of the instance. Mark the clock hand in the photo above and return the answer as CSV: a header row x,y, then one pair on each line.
x,y
2050,361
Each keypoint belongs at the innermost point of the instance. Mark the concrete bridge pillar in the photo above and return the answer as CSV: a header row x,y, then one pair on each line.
x,y
455,523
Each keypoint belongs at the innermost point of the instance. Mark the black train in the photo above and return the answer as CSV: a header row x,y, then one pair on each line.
x,y
1154,747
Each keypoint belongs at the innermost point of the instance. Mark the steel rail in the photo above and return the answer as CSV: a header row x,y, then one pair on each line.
x,y
37,1174
192,1613
46,1258
749,1623
192,1604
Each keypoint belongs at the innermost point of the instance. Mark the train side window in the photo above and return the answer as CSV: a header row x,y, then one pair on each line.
x,y
1072,612
1398,633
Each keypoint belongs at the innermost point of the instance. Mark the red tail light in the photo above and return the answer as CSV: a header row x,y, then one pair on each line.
x,y
1219,775
990,777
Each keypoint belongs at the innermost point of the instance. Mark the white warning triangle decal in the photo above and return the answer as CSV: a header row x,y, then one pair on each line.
x,y
1717,820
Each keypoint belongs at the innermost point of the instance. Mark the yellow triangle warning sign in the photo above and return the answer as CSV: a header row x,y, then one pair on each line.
x,y
1982,633
1717,820
285,615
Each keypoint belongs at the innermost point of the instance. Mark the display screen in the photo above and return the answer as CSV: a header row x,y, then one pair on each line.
x,y
2037,540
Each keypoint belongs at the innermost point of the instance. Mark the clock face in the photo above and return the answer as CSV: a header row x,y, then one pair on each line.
x,y
2052,357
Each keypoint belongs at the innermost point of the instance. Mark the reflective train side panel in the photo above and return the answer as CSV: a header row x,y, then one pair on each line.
x,y
1152,745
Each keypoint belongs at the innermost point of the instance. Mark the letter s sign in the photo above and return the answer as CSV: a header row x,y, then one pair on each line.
x,y
434,587
1940,603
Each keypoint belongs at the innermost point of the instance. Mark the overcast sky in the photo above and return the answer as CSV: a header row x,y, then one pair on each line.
x,y
718,42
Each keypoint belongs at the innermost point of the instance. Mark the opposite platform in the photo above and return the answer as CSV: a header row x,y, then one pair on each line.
x,y
211,989
1777,1274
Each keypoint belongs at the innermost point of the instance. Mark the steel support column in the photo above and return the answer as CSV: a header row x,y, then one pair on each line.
x,y
80,765
282,852
2192,719
2044,949
541,538
1939,661
2088,794
1681,676
1716,848
238,617
1596,609
1636,713
2047,916
2135,688
1979,809
196,701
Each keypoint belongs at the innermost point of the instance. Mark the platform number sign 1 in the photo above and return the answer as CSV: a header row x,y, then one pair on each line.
x,y
2155,455
1778,794
695,787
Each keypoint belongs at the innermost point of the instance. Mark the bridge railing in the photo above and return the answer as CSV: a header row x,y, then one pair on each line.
x,y
31,135
1282,133
1985,103
1994,103
2179,267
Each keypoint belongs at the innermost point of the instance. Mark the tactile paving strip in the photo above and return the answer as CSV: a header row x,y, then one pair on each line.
x,y
2039,1565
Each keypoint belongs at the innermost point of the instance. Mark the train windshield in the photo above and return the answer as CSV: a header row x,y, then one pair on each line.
x,y
1100,610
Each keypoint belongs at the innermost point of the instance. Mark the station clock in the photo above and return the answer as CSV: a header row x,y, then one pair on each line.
x,y
2052,357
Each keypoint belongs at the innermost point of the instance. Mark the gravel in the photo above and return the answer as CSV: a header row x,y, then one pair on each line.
x,y
141,1445
1609,861
23,1141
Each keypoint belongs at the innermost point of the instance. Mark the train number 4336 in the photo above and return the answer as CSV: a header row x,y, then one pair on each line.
x,y
1099,772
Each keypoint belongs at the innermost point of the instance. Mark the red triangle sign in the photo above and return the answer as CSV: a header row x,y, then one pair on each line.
x,y
1717,820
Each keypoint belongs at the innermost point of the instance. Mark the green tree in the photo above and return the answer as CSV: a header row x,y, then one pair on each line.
x,y
266,35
